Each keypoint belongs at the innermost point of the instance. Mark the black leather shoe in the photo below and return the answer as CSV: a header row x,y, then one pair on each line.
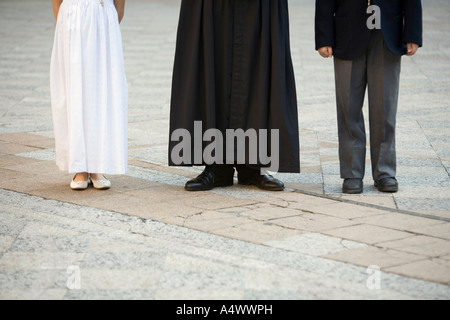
x,y
208,180
264,182
352,186
387,185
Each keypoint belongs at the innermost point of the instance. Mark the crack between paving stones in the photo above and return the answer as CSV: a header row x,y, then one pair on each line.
x,y
434,150
395,202
320,161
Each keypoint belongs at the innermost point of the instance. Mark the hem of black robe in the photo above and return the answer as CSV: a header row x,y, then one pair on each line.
x,y
283,170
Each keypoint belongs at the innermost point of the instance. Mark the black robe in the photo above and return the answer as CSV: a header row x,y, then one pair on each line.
x,y
233,69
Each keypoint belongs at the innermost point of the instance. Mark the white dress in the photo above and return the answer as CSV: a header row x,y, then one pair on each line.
x,y
89,92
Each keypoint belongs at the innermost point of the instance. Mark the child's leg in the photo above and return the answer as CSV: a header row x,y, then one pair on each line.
x,y
383,72
351,85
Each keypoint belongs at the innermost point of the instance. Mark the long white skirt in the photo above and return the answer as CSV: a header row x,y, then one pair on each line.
x,y
89,90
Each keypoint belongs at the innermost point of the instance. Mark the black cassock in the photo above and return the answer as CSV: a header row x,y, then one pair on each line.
x,y
233,70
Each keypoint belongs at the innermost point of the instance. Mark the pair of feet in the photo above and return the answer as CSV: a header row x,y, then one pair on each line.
x,y
209,179
81,181
355,186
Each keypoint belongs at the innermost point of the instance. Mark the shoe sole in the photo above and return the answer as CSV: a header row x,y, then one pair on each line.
x,y
387,189
352,191
266,189
102,188
79,188
222,185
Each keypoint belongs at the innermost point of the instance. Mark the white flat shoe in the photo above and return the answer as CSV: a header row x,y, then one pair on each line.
x,y
101,184
79,185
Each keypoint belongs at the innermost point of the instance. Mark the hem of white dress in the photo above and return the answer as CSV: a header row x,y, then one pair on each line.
x,y
112,172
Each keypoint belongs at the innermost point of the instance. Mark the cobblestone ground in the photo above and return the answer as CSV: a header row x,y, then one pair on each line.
x,y
147,238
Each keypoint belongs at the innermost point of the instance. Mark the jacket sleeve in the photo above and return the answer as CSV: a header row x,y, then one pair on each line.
x,y
324,23
412,31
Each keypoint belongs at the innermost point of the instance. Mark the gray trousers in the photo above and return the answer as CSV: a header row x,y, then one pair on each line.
x,y
378,70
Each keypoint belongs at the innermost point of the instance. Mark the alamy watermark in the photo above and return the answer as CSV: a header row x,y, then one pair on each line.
x,y
233,144
74,279
374,279
374,21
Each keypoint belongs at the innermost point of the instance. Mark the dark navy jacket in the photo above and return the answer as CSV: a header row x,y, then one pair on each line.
x,y
342,24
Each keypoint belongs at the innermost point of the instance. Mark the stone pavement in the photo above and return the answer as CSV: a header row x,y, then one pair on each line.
x,y
147,238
